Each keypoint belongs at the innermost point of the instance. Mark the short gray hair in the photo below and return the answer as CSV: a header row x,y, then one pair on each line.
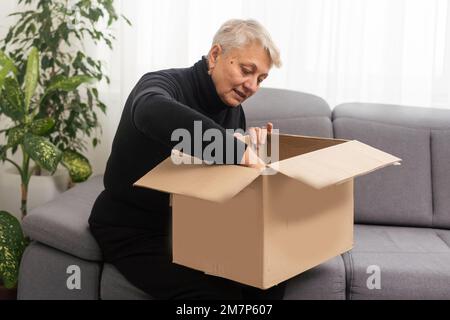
x,y
237,33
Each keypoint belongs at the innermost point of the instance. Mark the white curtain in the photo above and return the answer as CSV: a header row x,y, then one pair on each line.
x,y
387,51
390,51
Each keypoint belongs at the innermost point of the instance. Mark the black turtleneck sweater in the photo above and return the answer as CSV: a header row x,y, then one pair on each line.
x,y
159,103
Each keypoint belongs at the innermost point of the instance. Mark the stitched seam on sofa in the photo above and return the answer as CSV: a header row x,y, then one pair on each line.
x,y
99,281
431,178
350,296
338,284
394,224
442,239
393,124
348,273
333,132
403,252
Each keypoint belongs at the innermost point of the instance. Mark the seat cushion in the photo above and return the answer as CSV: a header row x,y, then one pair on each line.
x,y
49,274
114,286
290,111
324,282
412,263
63,222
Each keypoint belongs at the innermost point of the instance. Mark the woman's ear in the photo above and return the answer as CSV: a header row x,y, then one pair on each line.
x,y
214,56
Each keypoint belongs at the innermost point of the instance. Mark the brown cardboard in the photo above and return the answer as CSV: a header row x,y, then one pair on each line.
x,y
235,222
208,182
335,164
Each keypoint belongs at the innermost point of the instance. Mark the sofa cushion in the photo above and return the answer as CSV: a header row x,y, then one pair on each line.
x,y
46,273
324,282
290,111
412,263
432,127
114,286
63,222
405,116
440,147
395,195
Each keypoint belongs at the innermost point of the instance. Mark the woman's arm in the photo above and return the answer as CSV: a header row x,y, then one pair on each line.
x,y
157,114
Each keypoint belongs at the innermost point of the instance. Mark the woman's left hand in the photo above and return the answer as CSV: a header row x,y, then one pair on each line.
x,y
258,135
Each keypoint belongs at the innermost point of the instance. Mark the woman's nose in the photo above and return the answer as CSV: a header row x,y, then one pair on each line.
x,y
251,85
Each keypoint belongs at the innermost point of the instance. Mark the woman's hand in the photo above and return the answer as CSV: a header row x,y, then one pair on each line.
x,y
258,137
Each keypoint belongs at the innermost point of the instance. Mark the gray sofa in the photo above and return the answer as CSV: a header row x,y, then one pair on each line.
x,y
402,213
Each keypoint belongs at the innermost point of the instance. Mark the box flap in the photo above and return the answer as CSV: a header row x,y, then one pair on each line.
x,y
335,164
216,183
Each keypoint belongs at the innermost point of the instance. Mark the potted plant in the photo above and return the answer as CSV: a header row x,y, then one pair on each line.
x,y
59,29
50,113
29,132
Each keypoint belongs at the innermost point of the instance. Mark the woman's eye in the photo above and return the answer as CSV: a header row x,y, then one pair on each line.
x,y
245,71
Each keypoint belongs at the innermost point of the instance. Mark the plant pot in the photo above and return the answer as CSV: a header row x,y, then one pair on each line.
x,y
7,294
41,189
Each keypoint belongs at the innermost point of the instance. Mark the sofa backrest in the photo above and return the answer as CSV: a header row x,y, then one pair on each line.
x,y
417,193
290,111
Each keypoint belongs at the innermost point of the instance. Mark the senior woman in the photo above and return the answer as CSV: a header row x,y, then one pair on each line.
x,y
133,225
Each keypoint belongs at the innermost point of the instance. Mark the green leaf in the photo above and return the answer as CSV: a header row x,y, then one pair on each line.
x,y
12,246
43,126
31,29
12,100
65,84
69,84
79,167
2,153
6,66
14,150
31,75
15,136
42,151
126,20
9,36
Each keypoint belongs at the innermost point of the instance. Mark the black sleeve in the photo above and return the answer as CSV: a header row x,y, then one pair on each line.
x,y
156,113
243,120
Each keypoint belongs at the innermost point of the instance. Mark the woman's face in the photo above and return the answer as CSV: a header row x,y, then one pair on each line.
x,y
238,73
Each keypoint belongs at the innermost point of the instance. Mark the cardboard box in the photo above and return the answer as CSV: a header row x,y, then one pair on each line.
x,y
234,222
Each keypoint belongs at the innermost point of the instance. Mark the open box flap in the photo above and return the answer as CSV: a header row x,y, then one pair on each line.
x,y
335,164
216,183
